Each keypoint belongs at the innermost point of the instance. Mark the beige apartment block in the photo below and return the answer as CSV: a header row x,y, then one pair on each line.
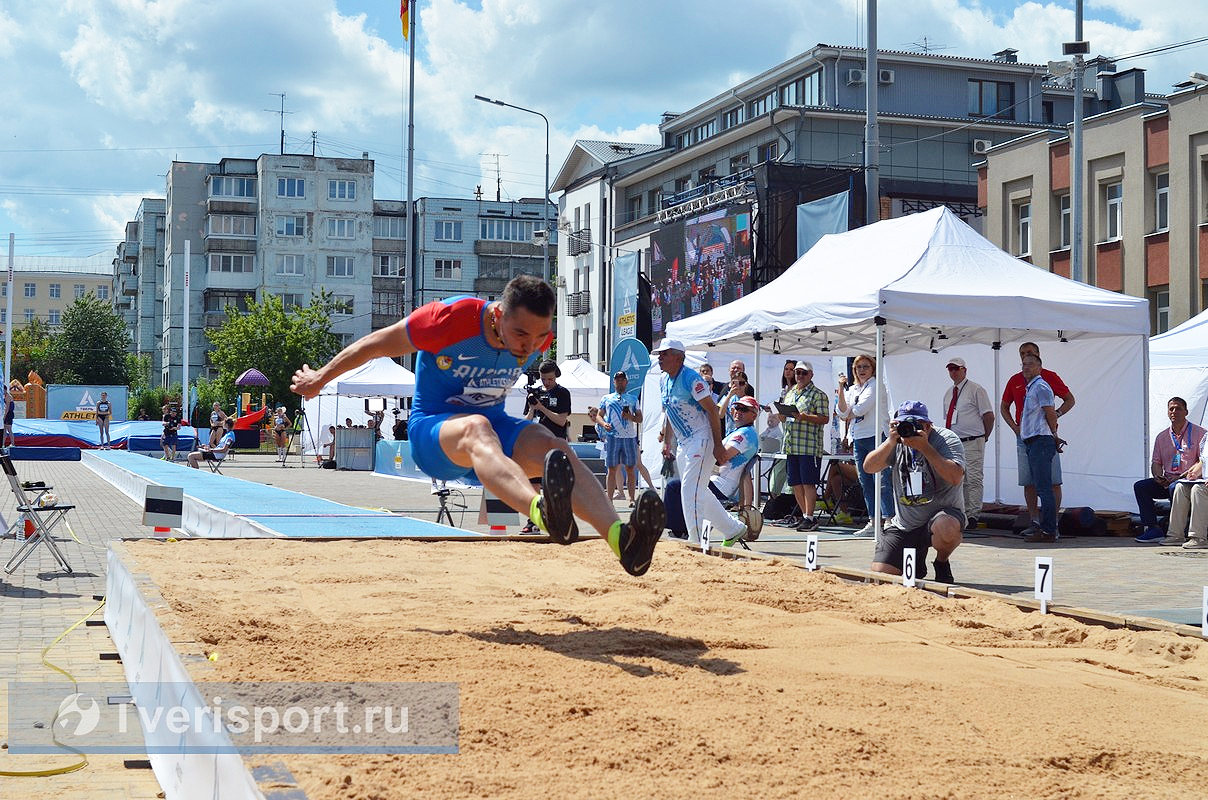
x,y
1145,208
44,287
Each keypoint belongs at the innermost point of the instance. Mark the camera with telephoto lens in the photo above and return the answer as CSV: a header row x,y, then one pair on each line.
x,y
534,395
907,428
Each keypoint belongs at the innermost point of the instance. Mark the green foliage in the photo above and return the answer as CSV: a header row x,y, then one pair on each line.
x,y
208,393
30,345
274,340
90,347
151,399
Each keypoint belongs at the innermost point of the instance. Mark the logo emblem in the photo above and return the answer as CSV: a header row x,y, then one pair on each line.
x,y
88,717
444,362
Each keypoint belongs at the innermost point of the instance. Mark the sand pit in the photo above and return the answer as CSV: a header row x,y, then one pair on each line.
x,y
706,678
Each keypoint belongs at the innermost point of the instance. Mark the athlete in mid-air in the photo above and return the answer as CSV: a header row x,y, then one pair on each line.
x,y
470,354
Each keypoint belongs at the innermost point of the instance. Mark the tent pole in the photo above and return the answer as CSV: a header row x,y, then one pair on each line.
x,y
875,513
758,337
1145,395
996,348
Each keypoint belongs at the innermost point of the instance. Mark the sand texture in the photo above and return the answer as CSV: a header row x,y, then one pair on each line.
x,y
706,678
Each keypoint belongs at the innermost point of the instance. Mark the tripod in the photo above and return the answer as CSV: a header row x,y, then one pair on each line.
x,y
296,431
443,513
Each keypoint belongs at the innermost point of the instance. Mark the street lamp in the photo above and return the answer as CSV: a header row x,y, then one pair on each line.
x,y
545,212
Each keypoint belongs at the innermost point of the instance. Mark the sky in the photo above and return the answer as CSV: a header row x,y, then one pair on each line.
x,y
98,97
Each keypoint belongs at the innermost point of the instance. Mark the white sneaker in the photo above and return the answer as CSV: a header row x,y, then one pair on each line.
x,y
1196,544
866,532
1172,541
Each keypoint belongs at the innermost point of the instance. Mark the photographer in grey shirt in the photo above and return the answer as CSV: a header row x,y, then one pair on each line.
x,y
928,465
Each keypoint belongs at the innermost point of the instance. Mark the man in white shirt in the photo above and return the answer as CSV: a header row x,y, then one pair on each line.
x,y
969,414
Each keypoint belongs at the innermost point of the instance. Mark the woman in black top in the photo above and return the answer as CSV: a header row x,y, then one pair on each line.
x,y
104,410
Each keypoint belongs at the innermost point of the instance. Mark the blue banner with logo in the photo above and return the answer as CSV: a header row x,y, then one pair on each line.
x,y
624,298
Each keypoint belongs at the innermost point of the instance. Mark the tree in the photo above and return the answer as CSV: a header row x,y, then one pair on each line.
x,y
275,341
90,347
30,344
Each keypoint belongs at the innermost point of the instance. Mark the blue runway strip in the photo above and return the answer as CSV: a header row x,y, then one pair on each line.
x,y
280,511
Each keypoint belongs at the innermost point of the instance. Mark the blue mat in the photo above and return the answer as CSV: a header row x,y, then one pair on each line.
x,y
300,515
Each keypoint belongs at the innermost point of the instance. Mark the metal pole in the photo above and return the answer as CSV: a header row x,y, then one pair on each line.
x,y
413,267
872,145
8,317
1076,179
545,213
184,382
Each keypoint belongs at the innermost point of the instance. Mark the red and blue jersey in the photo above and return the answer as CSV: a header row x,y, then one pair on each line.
x,y
458,371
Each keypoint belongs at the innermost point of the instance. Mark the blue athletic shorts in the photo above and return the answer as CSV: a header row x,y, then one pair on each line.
x,y
620,452
804,470
423,431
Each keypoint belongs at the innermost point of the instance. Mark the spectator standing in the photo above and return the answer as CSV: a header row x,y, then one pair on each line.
x,y
691,414
104,412
970,415
1037,430
169,439
857,406
717,388
803,430
1013,396
1176,452
620,417
10,411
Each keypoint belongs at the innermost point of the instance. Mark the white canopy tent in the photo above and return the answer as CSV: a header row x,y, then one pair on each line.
x,y
380,377
1178,367
920,289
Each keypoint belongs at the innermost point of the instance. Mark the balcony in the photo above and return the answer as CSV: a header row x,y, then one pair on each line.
x,y
578,242
578,303
489,247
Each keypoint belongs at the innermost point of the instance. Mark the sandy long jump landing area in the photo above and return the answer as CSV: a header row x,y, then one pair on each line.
x,y
706,678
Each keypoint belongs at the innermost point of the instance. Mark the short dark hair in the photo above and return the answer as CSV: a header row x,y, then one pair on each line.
x,y
1178,400
530,293
548,367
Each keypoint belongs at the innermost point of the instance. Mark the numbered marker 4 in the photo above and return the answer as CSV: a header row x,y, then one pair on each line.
x,y
706,528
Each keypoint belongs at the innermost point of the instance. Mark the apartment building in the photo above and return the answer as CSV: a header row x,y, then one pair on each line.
x,y
1145,220
44,286
137,267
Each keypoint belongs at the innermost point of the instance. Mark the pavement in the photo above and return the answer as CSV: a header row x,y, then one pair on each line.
x,y
1112,576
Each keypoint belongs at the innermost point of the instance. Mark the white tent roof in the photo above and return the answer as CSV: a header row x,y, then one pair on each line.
x,y
1183,346
381,377
933,279
578,374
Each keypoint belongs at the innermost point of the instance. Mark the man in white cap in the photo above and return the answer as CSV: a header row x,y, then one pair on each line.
x,y
969,414
690,411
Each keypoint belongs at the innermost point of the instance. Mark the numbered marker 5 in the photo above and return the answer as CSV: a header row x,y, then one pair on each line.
x,y
811,553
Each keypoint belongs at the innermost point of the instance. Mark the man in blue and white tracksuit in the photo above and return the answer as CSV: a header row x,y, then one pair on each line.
x,y
690,411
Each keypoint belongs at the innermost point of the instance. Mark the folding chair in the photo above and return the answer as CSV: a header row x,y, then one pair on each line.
x,y
215,464
44,517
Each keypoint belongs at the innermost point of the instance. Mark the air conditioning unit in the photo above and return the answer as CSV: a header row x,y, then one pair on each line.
x,y
982,146
855,76
560,282
884,76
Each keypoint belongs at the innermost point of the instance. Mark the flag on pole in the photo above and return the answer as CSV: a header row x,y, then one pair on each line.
x,y
404,16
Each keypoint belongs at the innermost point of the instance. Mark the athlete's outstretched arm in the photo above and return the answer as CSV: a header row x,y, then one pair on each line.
x,y
392,341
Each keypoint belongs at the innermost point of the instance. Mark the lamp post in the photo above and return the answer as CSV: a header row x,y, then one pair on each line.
x,y
545,212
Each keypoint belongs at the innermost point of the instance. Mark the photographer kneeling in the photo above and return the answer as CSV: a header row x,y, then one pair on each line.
x,y
928,471
549,404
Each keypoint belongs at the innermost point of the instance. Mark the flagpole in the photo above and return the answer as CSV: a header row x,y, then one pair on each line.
x,y
413,268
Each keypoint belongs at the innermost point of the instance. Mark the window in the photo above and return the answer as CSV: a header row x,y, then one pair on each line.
x,y
506,230
390,227
448,230
704,131
705,175
683,184
291,226
1113,196
31,290
231,186
230,262
633,208
448,269
739,163
341,190
1046,111
1159,305
102,293
991,99
29,315
793,94
762,105
1023,229
78,290
339,266
387,266
390,303
342,304
1161,201
291,264
290,300
654,200
769,151
55,317
1064,226
56,291
291,187
4,289
232,225
732,118
4,315
217,300
682,140
341,228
